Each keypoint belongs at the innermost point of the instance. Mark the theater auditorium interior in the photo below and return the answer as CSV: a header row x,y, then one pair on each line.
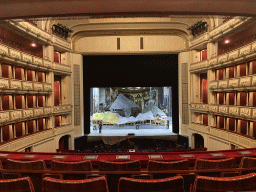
x,y
122,96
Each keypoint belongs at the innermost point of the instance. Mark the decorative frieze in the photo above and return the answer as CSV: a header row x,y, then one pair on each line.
x,y
15,54
38,61
16,115
245,81
38,86
245,50
233,54
61,67
233,83
223,109
26,58
48,64
47,110
38,111
4,83
254,113
4,50
214,108
234,111
223,58
223,84
246,112
213,61
61,42
4,117
27,113
254,80
213,85
62,108
47,87
15,84
27,86
199,65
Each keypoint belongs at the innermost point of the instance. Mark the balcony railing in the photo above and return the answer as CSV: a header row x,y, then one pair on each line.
x,y
62,109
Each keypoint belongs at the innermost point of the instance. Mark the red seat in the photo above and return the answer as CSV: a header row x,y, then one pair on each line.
x,y
98,184
238,183
164,185
119,166
21,184
162,166
215,164
247,162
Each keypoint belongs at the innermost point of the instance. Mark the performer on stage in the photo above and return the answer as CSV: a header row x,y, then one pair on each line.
x,y
100,126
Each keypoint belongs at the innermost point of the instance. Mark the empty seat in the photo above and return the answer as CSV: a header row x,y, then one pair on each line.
x,y
119,166
36,178
20,184
238,183
164,185
98,184
247,162
72,166
162,166
25,165
215,164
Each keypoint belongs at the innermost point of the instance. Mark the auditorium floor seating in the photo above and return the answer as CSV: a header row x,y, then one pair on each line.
x,y
138,166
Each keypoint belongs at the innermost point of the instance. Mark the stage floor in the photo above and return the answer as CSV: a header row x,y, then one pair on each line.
x,y
116,133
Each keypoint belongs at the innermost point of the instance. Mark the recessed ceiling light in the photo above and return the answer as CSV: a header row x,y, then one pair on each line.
x,y
33,44
227,41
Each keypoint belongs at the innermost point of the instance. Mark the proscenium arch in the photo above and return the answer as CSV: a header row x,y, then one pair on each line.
x,y
45,8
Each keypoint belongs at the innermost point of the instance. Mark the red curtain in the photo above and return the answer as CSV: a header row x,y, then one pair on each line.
x,y
31,126
254,67
5,71
56,93
56,57
29,75
41,124
242,70
18,73
5,102
243,98
57,121
18,101
254,99
231,72
204,55
221,122
40,76
231,98
243,126
231,124
18,129
6,133
221,98
30,101
220,74
205,119
40,100
204,86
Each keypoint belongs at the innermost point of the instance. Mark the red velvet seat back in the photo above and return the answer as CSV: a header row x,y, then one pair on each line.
x,y
247,162
119,166
162,166
238,183
215,164
140,185
25,165
21,184
98,184
72,166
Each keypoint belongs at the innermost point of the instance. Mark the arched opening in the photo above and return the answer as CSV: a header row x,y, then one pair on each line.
x,y
199,141
64,142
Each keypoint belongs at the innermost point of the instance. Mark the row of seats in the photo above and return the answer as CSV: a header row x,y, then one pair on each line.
x,y
246,162
99,184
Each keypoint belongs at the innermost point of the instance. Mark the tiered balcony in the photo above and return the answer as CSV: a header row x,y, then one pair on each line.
x,y
237,83
62,109
61,43
199,66
61,68
199,107
199,41
14,85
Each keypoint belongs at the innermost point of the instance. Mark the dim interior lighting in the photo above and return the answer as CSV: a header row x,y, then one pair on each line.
x,y
227,41
144,87
123,88
33,44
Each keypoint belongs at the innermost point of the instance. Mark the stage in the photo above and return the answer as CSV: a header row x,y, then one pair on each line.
x,y
114,134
